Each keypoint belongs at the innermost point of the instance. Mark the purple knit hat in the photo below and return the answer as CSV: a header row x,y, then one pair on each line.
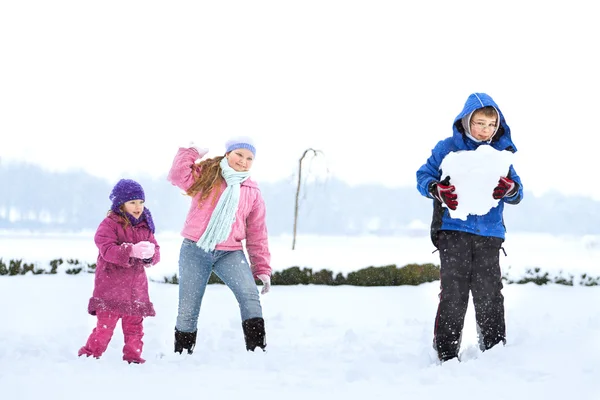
x,y
126,190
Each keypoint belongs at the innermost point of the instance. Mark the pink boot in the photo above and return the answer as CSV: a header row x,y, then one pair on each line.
x,y
100,337
84,351
133,330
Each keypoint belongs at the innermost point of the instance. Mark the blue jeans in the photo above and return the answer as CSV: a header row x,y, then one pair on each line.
x,y
195,267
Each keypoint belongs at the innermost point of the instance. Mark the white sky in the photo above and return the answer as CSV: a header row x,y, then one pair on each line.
x,y
323,342
114,87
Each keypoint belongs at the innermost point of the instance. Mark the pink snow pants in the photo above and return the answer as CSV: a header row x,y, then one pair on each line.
x,y
133,332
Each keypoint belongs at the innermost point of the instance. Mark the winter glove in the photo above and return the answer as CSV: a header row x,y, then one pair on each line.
x,y
444,193
142,250
201,150
266,280
506,187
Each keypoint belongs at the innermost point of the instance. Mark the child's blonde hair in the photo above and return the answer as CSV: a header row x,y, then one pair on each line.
x,y
207,176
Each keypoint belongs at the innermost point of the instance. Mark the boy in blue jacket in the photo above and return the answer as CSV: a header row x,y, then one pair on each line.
x,y
469,249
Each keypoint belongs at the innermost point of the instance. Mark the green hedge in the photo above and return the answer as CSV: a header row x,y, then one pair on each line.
x,y
18,267
388,275
537,276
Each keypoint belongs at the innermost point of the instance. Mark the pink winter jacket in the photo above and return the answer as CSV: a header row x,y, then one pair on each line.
x,y
121,284
250,219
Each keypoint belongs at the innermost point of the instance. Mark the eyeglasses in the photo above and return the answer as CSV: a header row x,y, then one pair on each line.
x,y
483,125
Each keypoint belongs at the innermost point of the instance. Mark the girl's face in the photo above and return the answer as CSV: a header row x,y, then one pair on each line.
x,y
134,207
240,159
482,127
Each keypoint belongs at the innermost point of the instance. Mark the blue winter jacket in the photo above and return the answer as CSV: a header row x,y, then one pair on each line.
x,y
492,223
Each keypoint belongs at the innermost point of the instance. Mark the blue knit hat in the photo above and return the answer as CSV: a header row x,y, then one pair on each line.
x,y
126,190
240,142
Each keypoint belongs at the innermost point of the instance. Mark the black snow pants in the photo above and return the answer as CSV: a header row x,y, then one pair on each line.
x,y
469,263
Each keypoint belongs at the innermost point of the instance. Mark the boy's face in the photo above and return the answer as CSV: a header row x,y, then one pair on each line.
x,y
482,127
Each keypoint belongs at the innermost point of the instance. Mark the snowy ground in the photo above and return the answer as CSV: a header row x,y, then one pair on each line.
x,y
323,342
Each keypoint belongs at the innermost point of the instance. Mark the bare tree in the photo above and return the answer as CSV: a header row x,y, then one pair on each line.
x,y
315,153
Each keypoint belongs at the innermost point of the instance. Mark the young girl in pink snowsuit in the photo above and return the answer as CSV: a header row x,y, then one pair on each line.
x,y
126,244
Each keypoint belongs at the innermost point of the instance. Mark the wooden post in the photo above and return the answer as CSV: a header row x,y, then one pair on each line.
x,y
298,192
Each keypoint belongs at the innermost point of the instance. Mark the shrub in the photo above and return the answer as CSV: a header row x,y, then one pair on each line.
x,y
322,277
415,274
589,281
340,279
564,281
14,267
73,271
374,276
214,279
536,276
292,276
54,264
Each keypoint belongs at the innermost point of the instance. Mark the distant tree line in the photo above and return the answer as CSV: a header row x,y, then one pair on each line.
x,y
35,199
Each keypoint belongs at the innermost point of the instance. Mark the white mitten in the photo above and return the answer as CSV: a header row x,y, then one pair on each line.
x,y
266,280
201,150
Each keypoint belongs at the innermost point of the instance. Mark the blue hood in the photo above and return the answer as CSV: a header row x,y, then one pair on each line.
x,y
501,140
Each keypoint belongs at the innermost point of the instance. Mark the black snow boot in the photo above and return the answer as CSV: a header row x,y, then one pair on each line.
x,y
448,351
185,340
254,333
447,356
487,343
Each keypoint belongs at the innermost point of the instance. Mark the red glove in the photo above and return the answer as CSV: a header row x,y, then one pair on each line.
x,y
506,187
444,193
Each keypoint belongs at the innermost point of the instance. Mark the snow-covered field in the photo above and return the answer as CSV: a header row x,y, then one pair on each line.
x,y
323,342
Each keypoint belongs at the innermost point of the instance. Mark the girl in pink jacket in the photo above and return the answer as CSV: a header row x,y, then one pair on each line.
x,y
126,244
226,208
